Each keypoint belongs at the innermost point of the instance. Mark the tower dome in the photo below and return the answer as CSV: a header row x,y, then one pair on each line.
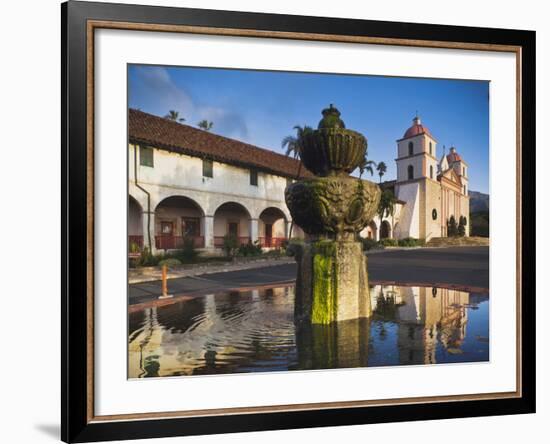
x,y
416,129
453,156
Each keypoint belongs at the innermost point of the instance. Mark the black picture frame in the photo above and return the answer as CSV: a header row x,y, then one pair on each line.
x,y
76,423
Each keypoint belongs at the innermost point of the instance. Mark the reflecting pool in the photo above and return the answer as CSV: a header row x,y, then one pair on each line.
x,y
254,331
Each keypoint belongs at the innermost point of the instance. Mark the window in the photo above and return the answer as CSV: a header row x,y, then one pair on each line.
x,y
410,172
434,214
464,171
464,189
431,148
233,229
207,168
289,181
190,226
254,177
166,228
411,148
146,156
431,171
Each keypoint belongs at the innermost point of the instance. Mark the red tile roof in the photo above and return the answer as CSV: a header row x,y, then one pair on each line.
x,y
453,157
180,138
416,130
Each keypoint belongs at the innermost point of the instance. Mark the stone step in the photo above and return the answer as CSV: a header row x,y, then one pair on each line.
x,y
458,241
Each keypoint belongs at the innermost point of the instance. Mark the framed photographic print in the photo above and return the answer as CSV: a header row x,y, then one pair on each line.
x,y
276,221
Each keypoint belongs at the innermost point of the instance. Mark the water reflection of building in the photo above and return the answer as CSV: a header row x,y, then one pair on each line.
x,y
255,331
425,316
210,332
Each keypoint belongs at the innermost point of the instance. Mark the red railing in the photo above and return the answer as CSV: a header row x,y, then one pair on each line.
x,y
272,242
218,241
135,242
164,242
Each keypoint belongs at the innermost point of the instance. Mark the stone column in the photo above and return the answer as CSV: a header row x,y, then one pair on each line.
x,y
332,282
253,230
148,221
208,231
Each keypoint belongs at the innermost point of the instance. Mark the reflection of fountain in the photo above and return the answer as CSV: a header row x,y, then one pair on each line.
x,y
342,344
332,208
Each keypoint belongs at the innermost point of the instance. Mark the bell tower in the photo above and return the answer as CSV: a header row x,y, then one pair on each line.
x,y
417,183
416,154
460,167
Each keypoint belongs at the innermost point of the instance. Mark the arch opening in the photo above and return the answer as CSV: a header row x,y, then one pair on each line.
x,y
272,228
135,226
232,219
178,219
371,231
385,230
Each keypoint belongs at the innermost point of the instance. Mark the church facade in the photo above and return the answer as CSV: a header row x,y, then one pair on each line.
x,y
429,190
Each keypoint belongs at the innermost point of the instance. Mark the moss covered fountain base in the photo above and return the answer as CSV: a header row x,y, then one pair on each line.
x,y
332,283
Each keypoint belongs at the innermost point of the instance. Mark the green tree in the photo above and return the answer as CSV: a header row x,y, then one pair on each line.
x,y
367,165
205,125
294,146
174,116
386,207
230,245
461,226
452,229
381,168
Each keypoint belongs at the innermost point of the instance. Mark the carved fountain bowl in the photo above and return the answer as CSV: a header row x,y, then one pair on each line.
x,y
333,151
332,204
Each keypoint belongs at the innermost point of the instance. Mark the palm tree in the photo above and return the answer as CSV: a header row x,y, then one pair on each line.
x,y
205,125
294,146
174,116
367,165
381,168
386,207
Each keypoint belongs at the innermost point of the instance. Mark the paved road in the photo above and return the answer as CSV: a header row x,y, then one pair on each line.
x,y
468,266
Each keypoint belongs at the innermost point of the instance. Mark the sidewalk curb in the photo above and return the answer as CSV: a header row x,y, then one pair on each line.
x,y
227,267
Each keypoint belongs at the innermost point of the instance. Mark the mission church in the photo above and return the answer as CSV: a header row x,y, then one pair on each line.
x,y
428,190
187,183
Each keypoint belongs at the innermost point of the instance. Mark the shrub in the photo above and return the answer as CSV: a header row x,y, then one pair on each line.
x,y
388,242
409,242
369,244
462,226
147,259
170,262
249,249
452,229
134,247
230,245
188,253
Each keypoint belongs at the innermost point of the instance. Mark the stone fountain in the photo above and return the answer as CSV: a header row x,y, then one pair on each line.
x,y
332,208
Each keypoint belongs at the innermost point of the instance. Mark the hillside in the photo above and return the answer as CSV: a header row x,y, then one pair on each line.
x,y
478,202
479,214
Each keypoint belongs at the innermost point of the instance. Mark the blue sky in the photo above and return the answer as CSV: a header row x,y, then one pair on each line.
x,y
262,107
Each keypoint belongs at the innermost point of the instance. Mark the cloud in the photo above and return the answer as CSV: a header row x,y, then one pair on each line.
x,y
153,90
227,122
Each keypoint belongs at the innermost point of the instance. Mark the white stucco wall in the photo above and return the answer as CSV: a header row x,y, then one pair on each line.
x,y
181,175
409,218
